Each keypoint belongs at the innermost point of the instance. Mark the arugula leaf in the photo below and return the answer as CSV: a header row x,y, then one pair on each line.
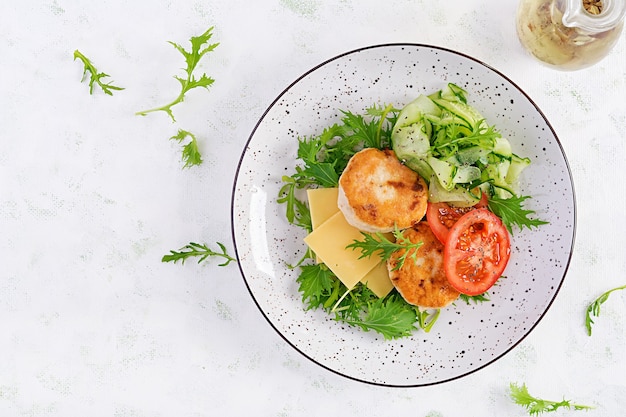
x,y
189,82
427,319
387,119
389,316
317,170
303,216
297,212
536,406
480,298
324,173
378,242
453,137
374,132
197,250
362,130
511,212
336,132
191,154
594,308
315,284
287,196
319,286
95,76
352,303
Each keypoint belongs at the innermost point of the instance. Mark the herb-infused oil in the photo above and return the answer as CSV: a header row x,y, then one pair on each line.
x,y
570,34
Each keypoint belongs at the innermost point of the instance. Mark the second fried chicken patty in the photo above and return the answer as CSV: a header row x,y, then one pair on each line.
x,y
378,193
422,281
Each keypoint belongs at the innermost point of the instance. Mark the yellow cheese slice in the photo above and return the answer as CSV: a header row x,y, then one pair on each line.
x,y
378,280
322,204
329,241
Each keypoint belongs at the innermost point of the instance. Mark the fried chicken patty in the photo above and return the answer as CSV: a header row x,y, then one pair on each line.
x,y
422,283
377,192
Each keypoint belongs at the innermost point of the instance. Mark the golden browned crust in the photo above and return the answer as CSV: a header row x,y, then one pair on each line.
x,y
377,192
422,283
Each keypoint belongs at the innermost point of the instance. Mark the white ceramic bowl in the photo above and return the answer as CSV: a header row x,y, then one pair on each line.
x,y
466,337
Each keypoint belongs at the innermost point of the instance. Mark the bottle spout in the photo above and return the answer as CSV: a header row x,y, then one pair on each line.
x,y
611,13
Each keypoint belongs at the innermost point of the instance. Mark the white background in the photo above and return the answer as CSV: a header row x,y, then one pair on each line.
x,y
92,323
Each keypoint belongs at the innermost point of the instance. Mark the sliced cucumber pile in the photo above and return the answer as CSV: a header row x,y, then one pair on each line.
x,y
451,146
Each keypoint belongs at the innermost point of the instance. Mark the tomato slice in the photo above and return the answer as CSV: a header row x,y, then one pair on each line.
x,y
442,216
476,252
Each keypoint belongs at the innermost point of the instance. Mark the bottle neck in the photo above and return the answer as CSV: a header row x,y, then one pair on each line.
x,y
611,14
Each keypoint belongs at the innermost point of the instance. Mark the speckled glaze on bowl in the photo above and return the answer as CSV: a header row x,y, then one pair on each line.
x,y
466,338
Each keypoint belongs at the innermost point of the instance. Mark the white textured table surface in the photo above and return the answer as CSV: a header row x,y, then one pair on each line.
x,y
92,323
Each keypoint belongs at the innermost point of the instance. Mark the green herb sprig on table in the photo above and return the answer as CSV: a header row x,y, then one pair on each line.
x,y
95,76
189,82
594,308
191,153
536,406
200,251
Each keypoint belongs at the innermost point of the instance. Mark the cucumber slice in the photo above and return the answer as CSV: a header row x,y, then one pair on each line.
x,y
411,145
445,171
496,173
411,141
421,167
415,110
448,119
517,166
466,174
453,92
462,110
458,196
458,92
469,156
502,147
503,169
503,192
